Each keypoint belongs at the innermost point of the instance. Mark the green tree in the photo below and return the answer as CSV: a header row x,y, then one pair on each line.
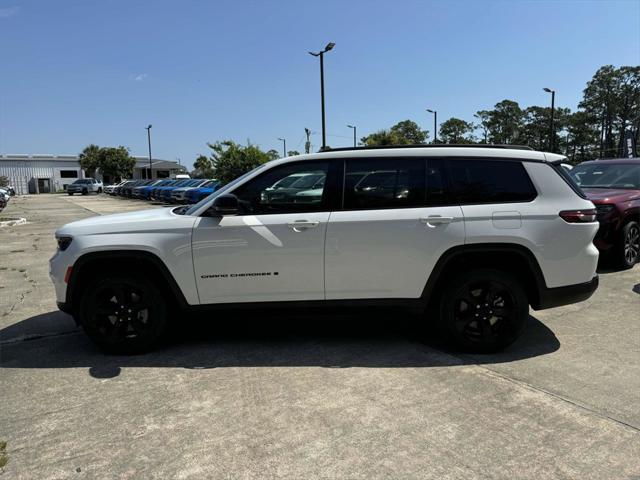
x,y
273,154
483,117
230,160
89,159
293,153
409,132
505,122
406,132
111,161
456,130
116,162
582,136
203,167
381,137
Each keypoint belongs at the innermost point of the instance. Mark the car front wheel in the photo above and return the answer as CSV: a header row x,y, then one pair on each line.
x,y
629,249
483,310
124,314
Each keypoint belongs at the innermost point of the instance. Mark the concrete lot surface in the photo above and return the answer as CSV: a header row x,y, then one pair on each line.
x,y
309,396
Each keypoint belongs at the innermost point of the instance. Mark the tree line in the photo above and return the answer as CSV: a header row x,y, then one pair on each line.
x,y
610,107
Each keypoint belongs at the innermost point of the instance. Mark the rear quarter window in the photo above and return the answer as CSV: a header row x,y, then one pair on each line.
x,y
477,181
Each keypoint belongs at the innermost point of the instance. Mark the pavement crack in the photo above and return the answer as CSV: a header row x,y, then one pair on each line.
x,y
36,336
562,398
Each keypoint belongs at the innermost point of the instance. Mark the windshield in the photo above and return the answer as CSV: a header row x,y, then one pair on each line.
x,y
81,182
194,208
607,175
308,181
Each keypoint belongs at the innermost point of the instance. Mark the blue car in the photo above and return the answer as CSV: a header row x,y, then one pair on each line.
x,y
164,193
197,194
156,192
145,191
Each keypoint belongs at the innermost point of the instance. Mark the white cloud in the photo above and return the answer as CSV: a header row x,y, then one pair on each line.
x,y
8,12
140,77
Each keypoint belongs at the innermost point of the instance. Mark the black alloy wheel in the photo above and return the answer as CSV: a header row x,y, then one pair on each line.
x,y
630,244
483,310
124,315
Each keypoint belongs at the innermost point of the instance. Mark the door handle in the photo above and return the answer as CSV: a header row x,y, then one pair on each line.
x,y
300,225
435,220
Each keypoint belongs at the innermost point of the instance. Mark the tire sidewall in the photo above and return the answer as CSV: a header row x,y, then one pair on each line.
x,y
459,283
158,315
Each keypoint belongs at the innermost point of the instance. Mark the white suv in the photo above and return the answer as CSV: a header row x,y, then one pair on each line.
x,y
472,236
84,186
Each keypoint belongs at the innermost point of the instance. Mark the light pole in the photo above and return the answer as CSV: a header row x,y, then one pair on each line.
x,y
552,133
320,54
354,134
149,140
435,124
284,146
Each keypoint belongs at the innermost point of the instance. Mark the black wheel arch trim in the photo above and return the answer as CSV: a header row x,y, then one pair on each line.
x,y
542,297
140,256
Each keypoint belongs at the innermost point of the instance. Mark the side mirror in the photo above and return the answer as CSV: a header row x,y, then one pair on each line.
x,y
226,204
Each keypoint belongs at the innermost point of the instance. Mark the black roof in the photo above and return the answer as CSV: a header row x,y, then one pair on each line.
x,y
437,145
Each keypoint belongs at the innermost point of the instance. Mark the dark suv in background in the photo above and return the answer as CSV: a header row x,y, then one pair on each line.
x,y
614,188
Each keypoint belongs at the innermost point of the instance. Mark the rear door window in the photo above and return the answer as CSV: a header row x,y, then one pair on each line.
x,y
477,181
377,183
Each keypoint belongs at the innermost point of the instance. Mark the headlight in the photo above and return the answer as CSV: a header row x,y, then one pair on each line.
x,y
64,242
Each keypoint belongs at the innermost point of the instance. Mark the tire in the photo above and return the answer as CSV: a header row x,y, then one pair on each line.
x,y
124,314
69,193
628,248
483,310
84,191
99,191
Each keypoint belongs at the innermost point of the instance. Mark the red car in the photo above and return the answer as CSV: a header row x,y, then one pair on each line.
x,y
614,187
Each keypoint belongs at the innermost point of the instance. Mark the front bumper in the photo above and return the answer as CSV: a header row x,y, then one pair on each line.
x,y
556,297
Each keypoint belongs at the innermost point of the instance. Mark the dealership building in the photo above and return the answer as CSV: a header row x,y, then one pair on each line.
x,y
52,173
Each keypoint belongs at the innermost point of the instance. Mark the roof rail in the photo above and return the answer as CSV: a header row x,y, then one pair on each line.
x,y
437,145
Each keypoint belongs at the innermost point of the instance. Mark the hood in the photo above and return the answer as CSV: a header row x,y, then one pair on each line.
x,y
611,195
131,222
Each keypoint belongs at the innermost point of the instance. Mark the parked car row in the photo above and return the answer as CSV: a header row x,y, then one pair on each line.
x,y
5,195
184,190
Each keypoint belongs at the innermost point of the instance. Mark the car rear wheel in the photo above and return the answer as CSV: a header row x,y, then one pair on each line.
x,y
124,315
99,190
629,247
84,191
69,193
483,310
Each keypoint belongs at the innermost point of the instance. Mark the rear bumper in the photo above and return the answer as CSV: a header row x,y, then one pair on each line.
x,y
556,297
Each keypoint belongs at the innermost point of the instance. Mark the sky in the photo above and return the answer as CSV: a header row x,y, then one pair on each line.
x,y
75,72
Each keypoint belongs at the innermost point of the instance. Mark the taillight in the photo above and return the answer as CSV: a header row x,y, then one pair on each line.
x,y
579,216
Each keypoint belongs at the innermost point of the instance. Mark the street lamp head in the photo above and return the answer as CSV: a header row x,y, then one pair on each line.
x,y
329,46
351,126
430,111
315,54
149,126
548,90
281,139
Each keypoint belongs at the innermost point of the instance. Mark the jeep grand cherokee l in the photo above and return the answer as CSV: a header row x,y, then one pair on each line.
x,y
476,235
